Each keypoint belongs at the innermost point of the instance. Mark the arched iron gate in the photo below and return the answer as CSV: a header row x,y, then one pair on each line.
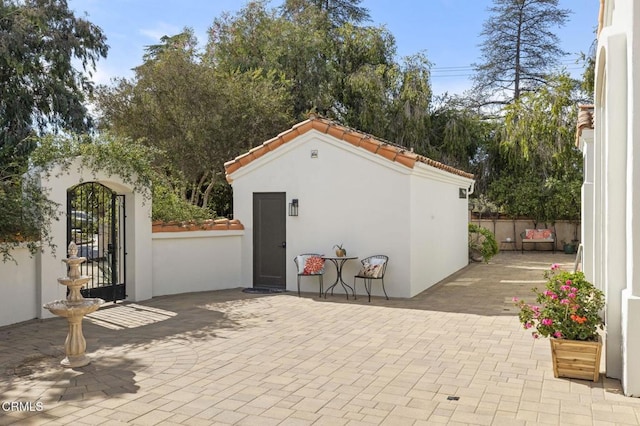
x,y
96,223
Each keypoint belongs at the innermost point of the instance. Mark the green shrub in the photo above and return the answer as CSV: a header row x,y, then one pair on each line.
x,y
482,243
169,206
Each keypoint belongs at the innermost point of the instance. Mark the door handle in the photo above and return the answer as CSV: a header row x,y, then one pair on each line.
x,y
284,244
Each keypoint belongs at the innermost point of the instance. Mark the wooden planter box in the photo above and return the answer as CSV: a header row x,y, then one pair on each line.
x,y
576,359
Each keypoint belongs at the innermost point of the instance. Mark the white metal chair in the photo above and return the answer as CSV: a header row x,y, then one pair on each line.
x,y
373,268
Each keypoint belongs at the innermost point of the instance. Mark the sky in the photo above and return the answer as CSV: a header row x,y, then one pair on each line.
x,y
446,30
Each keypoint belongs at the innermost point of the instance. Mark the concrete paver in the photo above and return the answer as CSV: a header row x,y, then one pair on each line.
x,y
227,357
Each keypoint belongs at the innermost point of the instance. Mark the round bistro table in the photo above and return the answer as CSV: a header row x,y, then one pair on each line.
x,y
339,262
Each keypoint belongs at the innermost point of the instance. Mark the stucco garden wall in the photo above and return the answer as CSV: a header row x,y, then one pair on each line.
x,y
32,283
183,262
186,262
138,233
19,288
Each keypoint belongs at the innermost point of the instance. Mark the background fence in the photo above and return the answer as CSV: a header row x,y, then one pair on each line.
x,y
504,229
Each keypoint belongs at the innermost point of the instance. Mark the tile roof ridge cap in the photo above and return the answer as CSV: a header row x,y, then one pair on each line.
x,y
442,166
299,124
364,135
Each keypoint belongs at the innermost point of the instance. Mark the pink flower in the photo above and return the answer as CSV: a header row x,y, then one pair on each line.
x,y
528,325
535,335
546,321
535,308
515,299
554,266
564,302
571,295
568,282
565,288
574,290
557,334
554,296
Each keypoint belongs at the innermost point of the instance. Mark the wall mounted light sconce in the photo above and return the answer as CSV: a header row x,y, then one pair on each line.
x,y
462,193
293,207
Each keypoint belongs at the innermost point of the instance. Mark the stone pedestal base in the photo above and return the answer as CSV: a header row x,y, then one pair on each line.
x,y
72,361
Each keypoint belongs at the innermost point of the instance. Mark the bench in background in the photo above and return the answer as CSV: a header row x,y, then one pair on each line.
x,y
534,236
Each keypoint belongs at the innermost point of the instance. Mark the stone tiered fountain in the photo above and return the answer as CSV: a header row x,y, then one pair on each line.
x,y
74,308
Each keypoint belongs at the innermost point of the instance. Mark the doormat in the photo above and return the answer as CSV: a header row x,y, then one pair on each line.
x,y
262,290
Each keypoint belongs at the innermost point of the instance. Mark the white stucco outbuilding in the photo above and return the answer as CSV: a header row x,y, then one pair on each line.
x,y
610,199
349,188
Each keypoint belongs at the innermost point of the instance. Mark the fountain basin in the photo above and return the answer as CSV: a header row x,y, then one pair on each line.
x,y
66,309
74,282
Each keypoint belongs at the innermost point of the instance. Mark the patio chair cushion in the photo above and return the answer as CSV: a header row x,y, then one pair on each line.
x,y
372,268
538,234
310,265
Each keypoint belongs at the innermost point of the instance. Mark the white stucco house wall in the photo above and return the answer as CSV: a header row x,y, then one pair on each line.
x,y
351,188
611,200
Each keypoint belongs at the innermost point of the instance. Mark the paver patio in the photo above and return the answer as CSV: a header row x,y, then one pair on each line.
x,y
228,357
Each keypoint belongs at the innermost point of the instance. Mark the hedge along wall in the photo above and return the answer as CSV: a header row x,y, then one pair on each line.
x,y
508,228
196,257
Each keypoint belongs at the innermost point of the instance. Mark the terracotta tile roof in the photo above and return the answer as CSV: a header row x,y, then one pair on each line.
x,y
205,225
585,120
378,146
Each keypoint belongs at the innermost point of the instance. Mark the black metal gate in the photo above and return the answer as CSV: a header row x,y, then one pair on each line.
x,y
96,223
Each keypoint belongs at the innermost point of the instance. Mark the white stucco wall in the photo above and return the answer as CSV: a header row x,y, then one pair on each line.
x,y
587,222
346,195
19,301
138,235
439,225
615,250
186,262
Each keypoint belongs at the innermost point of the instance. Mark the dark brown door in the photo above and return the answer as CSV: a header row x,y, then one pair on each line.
x,y
269,240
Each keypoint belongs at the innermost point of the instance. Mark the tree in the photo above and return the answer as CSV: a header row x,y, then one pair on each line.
x,y
338,12
519,48
41,91
410,104
335,67
364,78
457,134
198,115
542,169
540,125
263,69
589,74
299,46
